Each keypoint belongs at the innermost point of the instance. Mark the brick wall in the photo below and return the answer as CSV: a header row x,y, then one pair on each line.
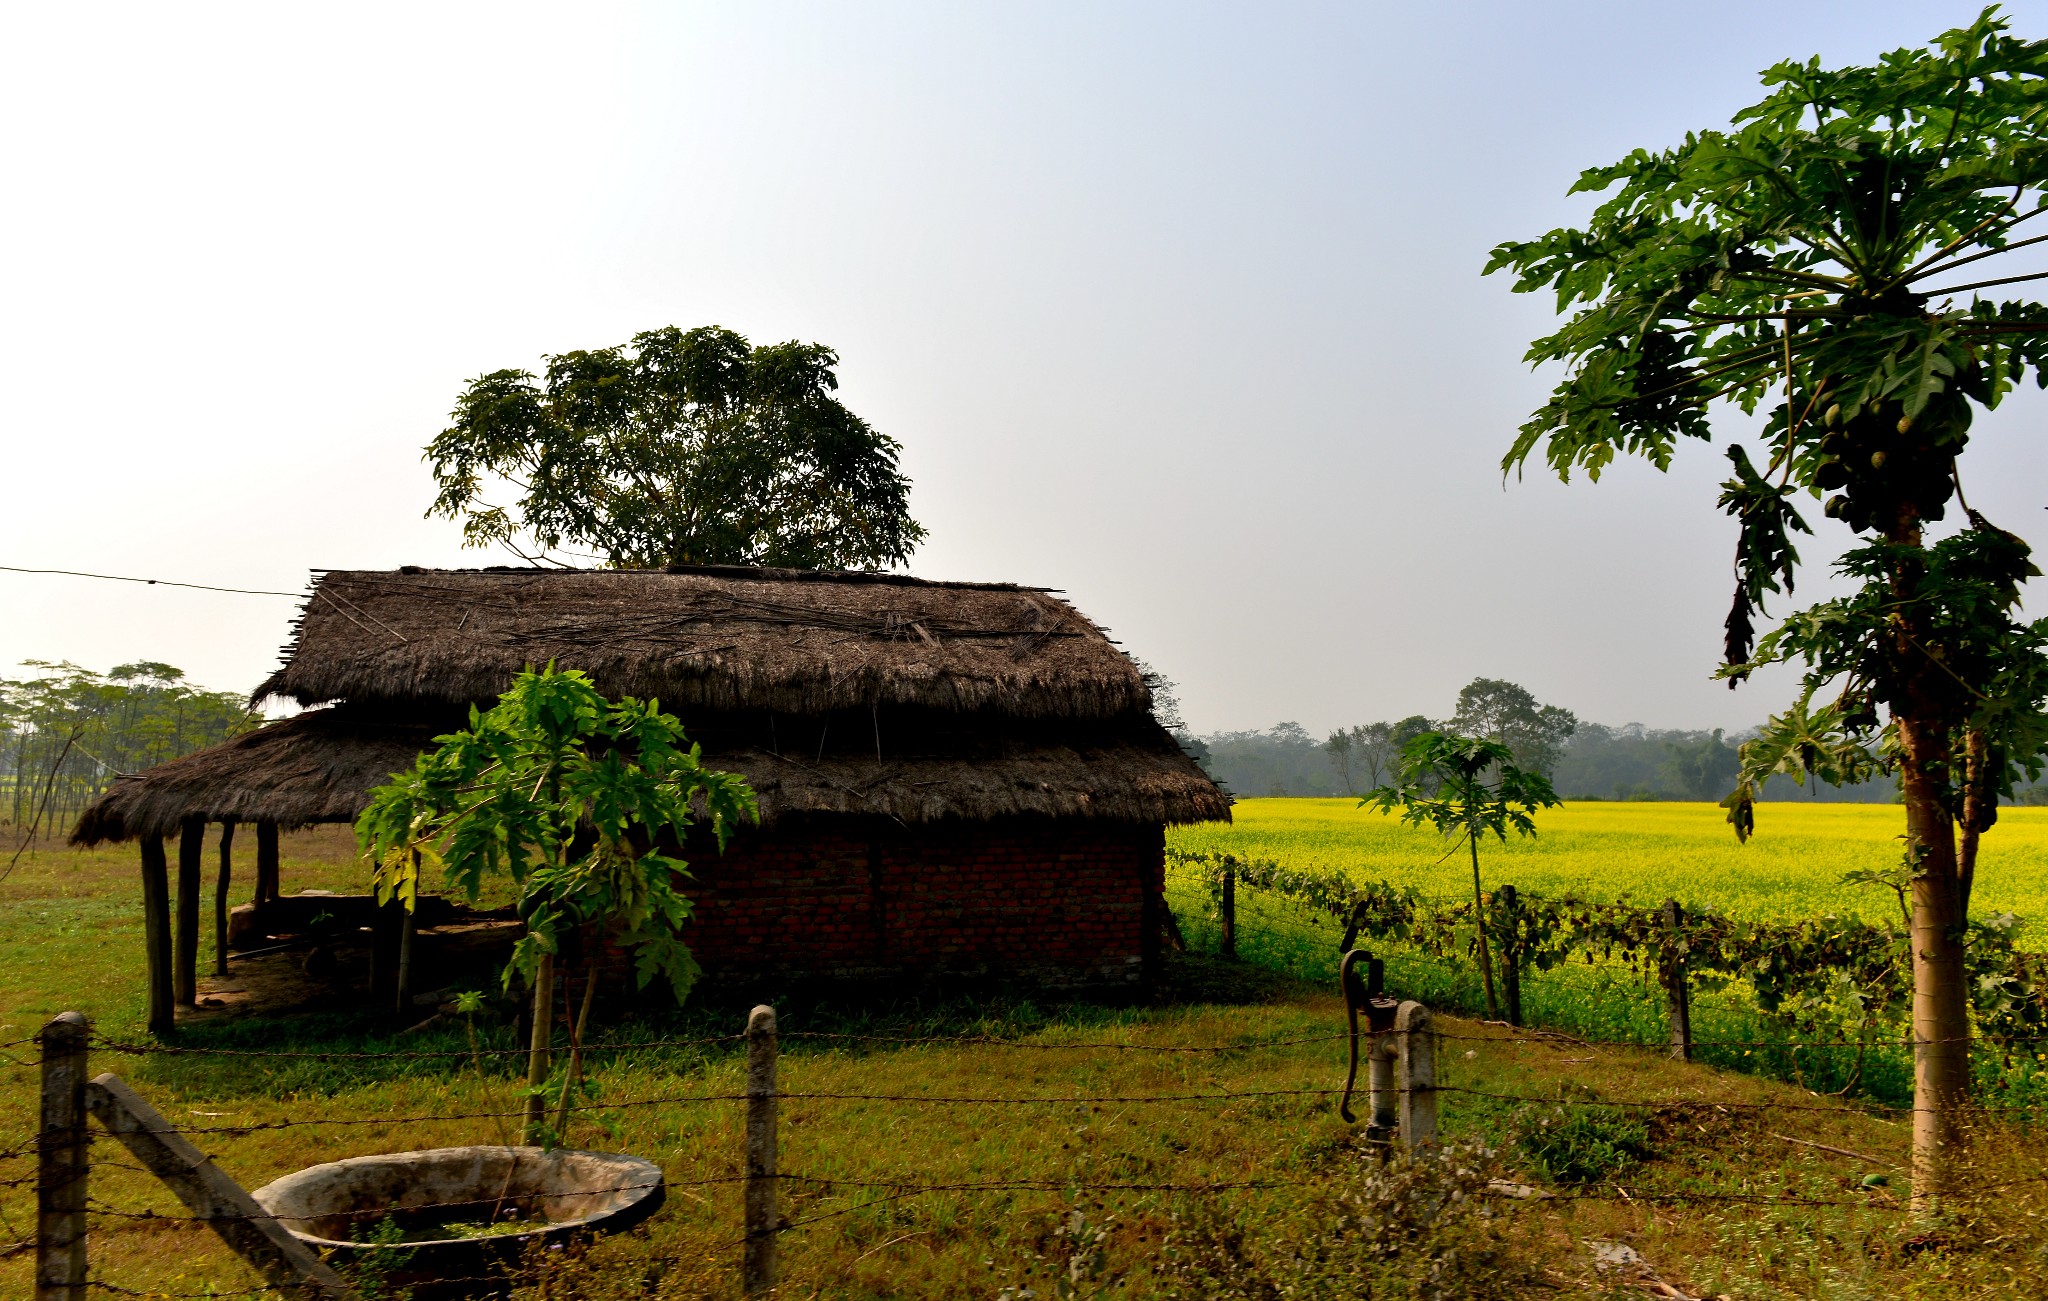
x,y
1062,901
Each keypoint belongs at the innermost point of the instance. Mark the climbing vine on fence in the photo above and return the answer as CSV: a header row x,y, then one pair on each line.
x,y
1817,974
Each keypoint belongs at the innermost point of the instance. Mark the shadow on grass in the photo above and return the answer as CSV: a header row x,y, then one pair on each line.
x,y
260,1055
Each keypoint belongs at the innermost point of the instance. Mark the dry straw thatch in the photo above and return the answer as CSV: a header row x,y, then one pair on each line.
x,y
317,767
900,699
796,641
321,766
1130,771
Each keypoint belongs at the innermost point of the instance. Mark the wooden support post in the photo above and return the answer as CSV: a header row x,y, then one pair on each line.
x,y
62,1162
225,1206
222,882
757,1265
1417,1037
1229,909
266,862
156,931
1677,997
185,939
1511,955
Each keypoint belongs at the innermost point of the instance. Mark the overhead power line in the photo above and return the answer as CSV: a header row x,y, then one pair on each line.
x,y
153,582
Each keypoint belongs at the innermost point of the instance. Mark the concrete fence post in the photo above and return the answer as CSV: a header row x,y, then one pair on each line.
x,y
1677,997
1416,1036
757,1263
62,1160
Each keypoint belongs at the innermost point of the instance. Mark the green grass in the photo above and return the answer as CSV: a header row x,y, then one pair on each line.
x,y
1792,867
70,938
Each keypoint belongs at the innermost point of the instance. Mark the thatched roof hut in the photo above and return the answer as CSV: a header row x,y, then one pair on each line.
x,y
792,641
320,766
861,707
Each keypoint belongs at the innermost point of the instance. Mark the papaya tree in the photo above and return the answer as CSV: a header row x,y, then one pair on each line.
x,y
576,800
1467,786
1829,266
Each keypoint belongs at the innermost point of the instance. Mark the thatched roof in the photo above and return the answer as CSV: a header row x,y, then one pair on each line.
x,y
317,767
1131,772
796,641
833,693
321,765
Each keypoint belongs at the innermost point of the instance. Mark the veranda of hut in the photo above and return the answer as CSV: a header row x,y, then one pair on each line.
x,y
953,778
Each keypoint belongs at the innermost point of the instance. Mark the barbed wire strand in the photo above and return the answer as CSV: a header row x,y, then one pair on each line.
x,y
988,1041
901,1190
1516,1036
395,1054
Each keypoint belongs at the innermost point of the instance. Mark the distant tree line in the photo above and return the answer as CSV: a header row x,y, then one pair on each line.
x,y
67,732
1584,761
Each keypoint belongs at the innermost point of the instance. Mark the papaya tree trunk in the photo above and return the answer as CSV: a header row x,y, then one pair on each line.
x,y
1479,921
1941,1006
577,1031
1941,1009
537,1063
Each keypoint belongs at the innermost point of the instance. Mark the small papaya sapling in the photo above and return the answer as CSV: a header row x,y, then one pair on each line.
x,y
572,797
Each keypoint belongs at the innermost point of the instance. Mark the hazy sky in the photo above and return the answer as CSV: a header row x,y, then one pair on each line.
x,y
1175,307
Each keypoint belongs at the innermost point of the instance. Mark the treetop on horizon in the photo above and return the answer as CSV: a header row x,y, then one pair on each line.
x,y
680,447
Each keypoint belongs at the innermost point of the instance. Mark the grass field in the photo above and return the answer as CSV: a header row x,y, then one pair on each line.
x,y
1792,867
70,938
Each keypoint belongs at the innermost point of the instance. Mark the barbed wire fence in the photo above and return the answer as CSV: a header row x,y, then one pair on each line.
x,y
1290,928
1828,994
66,1210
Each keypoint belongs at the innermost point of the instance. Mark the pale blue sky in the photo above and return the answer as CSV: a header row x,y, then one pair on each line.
x,y
1174,307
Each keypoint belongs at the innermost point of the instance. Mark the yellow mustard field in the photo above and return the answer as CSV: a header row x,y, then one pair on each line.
x,y
1791,867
